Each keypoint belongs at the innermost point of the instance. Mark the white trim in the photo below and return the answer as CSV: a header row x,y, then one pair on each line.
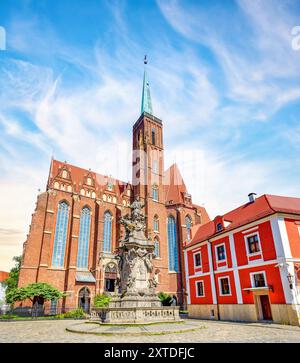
x,y
187,281
282,247
203,288
212,274
235,270
256,273
250,230
194,259
225,259
250,254
220,286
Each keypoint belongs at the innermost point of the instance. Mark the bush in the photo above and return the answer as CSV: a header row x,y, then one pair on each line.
x,y
73,314
101,301
165,299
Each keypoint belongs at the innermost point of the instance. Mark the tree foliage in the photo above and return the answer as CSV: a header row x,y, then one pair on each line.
x,y
36,292
101,300
165,298
11,282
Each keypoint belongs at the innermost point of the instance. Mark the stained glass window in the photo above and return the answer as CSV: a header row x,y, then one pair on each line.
x,y
156,248
84,238
172,244
155,193
60,238
107,232
155,224
188,224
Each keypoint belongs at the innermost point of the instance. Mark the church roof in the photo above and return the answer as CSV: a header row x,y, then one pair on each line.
x,y
146,96
249,212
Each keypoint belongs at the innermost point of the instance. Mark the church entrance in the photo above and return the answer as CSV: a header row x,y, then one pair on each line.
x,y
84,299
110,277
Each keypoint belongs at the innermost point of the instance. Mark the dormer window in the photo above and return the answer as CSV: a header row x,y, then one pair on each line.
x,y
219,227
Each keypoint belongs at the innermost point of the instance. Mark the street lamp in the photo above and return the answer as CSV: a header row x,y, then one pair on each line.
x,y
290,280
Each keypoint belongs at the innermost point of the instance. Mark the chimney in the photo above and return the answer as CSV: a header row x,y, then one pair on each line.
x,y
251,197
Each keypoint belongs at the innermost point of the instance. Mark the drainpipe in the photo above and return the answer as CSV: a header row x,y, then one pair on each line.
x,y
213,271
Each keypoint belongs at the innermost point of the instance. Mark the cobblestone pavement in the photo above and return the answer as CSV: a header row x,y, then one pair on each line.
x,y
55,331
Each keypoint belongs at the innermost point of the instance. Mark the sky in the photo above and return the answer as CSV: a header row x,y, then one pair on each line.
x,y
224,78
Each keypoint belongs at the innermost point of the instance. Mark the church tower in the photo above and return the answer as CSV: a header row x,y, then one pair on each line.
x,y
148,157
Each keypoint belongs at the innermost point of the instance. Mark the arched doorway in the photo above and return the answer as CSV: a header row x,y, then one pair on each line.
x,y
110,277
84,299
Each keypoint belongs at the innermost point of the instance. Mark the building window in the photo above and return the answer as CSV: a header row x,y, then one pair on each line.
x,y
65,174
155,194
156,247
199,288
60,238
172,244
219,227
258,279
155,224
253,244
84,238
153,136
107,232
221,254
155,167
224,286
197,259
188,224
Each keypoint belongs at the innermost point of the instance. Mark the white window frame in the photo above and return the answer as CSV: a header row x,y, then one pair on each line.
x,y
220,286
216,252
247,245
203,288
194,257
252,279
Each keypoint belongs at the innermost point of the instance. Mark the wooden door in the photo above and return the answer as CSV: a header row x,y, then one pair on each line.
x,y
266,307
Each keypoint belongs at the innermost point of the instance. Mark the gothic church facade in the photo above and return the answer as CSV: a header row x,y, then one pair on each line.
x,y
75,231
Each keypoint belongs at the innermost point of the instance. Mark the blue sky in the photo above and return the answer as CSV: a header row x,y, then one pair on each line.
x,y
224,78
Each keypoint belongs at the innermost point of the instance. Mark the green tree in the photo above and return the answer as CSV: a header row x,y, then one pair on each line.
x,y
37,292
101,300
11,283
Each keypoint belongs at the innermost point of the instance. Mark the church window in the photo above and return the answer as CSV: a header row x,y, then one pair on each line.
x,y
56,185
155,193
88,193
155,224
109,199
172,244
62,187
84,238
89,181
60,238
188,225
104,197
153,136
156,247
114,200
107,232
64,174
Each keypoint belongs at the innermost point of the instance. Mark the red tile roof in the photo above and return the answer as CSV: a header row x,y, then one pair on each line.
x,y
249,212
3,275
174,185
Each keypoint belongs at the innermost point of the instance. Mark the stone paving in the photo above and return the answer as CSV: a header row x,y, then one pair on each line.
x,y
209,331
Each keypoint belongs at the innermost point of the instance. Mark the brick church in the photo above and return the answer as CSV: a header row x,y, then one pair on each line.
x,y
74,229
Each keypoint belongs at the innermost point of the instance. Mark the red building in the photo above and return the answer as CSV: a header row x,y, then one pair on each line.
x,y
245,265
74,230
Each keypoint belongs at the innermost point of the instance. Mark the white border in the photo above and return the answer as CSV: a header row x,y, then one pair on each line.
x,y
196,288
256,273
220,287
194,259
217,260
249,254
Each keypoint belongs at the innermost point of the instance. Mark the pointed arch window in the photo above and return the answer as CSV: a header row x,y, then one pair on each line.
x,y
84,238
155,193
188,224
172,244
155,224
107,232
156,247
153,136
61,231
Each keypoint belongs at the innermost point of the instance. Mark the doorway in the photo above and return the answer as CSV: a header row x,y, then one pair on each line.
x,y
84,299
110,277
265,307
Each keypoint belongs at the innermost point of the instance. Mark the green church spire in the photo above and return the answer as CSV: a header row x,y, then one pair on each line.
x,y
146,96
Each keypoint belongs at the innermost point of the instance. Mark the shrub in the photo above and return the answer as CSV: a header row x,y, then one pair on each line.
x,y
73,314
101,301
165,299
